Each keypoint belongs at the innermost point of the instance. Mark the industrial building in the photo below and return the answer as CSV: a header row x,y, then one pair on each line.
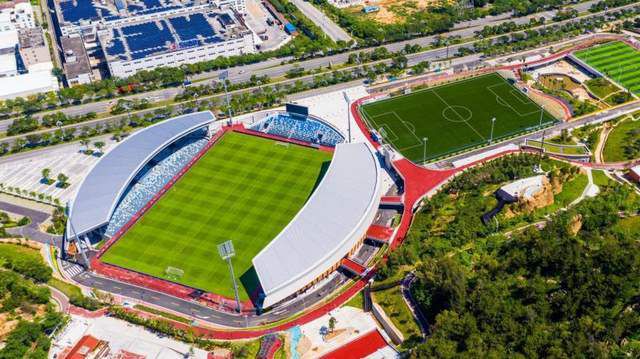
x,y
142,35
25,61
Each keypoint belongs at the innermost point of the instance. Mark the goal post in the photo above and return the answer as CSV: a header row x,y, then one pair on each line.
x,y
173,273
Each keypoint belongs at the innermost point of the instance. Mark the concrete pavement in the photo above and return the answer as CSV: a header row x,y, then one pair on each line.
x,y
330,28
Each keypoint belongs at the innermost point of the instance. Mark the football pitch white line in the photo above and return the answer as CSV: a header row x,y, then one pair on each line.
x,y
466,122
507,104
386,128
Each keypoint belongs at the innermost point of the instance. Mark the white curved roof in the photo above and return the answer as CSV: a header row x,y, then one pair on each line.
x,y
101,190
328,226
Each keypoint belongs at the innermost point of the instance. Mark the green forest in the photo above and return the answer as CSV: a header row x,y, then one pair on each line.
x,y
569,289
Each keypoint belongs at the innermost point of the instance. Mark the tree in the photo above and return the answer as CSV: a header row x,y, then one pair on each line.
x,y
99,145
62,180
85,142
332,324
46,172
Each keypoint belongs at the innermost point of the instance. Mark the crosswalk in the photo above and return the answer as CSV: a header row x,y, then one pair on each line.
x,y
72,269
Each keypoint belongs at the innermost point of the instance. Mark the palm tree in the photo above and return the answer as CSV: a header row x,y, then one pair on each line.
x,y
45,175
99,145
85,142
62,180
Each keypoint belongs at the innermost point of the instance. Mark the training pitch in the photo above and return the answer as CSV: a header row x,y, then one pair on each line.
x,y
454,117
245,189
617,60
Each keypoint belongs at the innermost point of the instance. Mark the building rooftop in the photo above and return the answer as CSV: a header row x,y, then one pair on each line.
x,y
75,56
140,40
75,12
27,84
330,224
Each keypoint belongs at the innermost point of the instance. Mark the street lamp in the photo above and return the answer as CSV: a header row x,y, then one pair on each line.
x,y
424,151
226,251
541,113
493,122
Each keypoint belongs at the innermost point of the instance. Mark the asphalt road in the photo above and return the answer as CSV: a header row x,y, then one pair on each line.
x,y
31,230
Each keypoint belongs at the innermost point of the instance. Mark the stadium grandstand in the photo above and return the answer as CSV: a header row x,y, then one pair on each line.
x,y
127,177
305,128
330,224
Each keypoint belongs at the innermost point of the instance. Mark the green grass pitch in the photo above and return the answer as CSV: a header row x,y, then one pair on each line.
x,y
454,116
617,60
245,189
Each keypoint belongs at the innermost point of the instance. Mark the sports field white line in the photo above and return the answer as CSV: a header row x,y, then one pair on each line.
x,y
456,112
507,104
377,127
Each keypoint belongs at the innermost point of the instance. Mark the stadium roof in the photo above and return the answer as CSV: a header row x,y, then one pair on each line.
x,y
330,224
101,190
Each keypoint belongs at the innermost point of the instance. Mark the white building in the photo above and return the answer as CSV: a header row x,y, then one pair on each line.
x,y
16,15
242,45
25,61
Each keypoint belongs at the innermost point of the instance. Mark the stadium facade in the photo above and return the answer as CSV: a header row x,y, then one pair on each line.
x,y
143,35
330,226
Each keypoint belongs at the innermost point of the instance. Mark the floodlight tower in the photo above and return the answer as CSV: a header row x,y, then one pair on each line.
x,y
223,76
226,251
424,150
493,122
541,113
346,98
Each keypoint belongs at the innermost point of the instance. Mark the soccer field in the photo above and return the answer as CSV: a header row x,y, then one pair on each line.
x,y
454,116
619,61
245,189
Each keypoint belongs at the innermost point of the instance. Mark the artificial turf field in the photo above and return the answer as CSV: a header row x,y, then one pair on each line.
x,y
245,189
619,61
454,116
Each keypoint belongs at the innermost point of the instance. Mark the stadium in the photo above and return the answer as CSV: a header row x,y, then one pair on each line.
x,y
292,195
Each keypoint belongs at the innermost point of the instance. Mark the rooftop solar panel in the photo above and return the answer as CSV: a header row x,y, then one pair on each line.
x,y
84,10
190,27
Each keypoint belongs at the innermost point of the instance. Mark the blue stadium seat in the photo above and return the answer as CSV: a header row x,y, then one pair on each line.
x,y
300,128
151,183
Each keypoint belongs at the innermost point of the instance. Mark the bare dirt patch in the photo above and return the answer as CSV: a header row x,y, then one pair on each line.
x,y
397,11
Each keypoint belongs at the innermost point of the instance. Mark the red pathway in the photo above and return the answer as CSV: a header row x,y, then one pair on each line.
x,y
361,347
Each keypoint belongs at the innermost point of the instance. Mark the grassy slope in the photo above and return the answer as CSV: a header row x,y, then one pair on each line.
x,y
393,304
245,189
409,118
357,301
600,179
613,149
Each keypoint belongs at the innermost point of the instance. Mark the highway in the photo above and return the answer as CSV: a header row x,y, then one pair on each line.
x,y
277,68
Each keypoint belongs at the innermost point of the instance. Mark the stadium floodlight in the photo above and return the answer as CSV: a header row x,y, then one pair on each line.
x,y
223,76
346,98
541,113
493,122
424,150
226,252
